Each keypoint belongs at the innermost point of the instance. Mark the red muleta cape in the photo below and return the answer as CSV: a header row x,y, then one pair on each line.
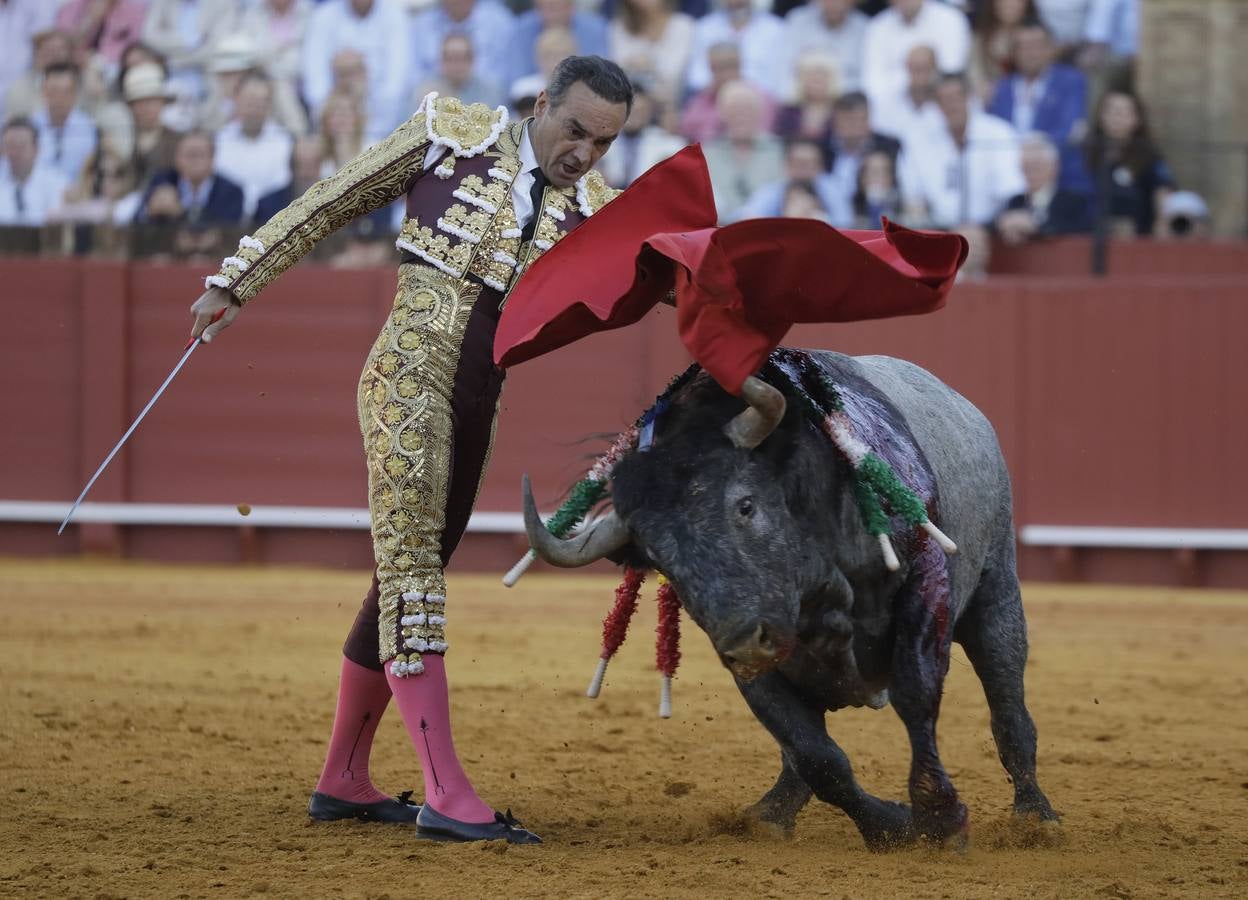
x,y
739,288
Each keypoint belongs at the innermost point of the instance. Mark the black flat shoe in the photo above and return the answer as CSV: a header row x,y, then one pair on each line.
x,y
434,826
401,810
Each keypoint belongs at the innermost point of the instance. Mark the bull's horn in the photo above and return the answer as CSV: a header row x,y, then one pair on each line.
x,y
751,426
606,536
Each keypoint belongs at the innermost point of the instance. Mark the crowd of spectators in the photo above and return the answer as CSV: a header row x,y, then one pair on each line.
x,y
970,115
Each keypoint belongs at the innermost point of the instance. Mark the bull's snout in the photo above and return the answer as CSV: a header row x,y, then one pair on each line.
x,y
753,650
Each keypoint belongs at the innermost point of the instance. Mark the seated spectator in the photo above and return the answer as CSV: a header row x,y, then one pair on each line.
x,y
342,131
964,173
115,118
488,25
811,115
853,137
1184,216
186,33
1046,96
29,188
103,27
379,31
458,77
992,43
1045,208
106,194
915,107
152,144
699,121
1112,35
803,165
307,167
760,37
252,150
652,43
553,44
192,191
51,48
746,157
279,27
640,144
1130,178
237,56
522,95
589,34
1066,20
20,21
802,201
832,28
906,24
67,135
877,196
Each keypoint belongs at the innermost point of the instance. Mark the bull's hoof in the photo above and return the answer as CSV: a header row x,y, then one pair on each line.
x,y
771,820
891,827
1037,808
948,828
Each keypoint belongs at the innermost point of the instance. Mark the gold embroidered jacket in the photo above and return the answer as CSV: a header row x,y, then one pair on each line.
x,y
460,218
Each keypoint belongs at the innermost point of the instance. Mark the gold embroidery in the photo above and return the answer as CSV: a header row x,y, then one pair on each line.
x,y
378,176
597,191
406,425
469,125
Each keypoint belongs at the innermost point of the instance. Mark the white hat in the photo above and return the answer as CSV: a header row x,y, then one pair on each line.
x,y
145,81
1184,203
528,86
234,53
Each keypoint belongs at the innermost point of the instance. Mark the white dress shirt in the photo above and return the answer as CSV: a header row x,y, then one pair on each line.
x,y
890,38
962,185
761,42
897,116
807,32
69,146
258,165
29,202
381,37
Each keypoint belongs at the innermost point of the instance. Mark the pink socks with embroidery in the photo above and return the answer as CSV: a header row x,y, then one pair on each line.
x,y
425,706
362,698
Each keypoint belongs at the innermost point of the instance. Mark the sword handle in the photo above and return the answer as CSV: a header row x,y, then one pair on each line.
x,y
214,321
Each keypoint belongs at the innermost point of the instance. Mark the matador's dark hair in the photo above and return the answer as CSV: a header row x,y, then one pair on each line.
x,y
601,76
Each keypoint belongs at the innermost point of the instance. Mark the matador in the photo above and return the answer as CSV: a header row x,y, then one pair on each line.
x,y
485,197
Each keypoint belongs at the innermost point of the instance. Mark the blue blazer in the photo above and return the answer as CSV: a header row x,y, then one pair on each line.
x,y
1061,114
224,206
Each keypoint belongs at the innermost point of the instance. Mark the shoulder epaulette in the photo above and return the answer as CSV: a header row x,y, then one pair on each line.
x,y
593,193
464,129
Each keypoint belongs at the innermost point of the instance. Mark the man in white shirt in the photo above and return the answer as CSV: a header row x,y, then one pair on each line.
x,y
831,27
915,107
67,135
964,173
906,24
20,21
253,151
28,189
760,35
378,30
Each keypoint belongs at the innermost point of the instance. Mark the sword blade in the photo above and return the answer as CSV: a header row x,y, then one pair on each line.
x,y
129,431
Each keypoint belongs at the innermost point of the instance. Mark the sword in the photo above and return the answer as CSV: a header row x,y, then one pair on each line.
x,y
189,348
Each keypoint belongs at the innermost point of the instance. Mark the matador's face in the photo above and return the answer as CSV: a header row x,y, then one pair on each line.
x,y
569,138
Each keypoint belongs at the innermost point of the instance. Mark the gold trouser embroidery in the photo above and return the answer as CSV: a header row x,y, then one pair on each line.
x,y
405,419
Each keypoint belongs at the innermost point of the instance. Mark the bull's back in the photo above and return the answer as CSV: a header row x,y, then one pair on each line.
x,y
962,449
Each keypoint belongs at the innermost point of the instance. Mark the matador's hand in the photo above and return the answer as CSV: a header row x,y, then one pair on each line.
x,y
211,302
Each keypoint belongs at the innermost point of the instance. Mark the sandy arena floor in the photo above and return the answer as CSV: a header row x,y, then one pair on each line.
x,y
162,728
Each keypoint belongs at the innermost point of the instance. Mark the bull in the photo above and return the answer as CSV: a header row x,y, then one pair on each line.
x,y
751,515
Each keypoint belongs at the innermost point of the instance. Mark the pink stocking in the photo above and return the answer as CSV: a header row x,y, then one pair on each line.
x,y
362,698
425,706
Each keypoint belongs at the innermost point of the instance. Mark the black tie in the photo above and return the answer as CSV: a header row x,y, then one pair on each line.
x,y
535,197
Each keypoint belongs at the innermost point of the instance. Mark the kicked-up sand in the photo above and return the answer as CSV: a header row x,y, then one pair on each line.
x,y
161,728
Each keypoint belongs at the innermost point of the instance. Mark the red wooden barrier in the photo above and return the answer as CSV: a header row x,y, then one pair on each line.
x,y
1118,402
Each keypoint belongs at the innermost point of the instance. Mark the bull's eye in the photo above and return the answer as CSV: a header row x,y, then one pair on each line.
x,y
745,507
